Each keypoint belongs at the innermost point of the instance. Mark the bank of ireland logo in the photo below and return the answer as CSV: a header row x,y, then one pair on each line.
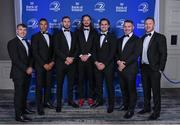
x,y
32,23
54,6
76,23
100,7
120,23
143,7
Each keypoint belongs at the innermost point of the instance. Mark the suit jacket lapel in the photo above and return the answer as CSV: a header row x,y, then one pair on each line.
x,y
44,39
66,42
22,46
130,39
152,39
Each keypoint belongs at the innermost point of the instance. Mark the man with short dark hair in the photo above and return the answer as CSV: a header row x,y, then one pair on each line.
x,y
153,61
103,56
42,49
66,52
128,50
20,54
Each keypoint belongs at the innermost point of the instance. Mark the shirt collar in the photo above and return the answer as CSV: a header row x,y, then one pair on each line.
x,y
20,37
152,32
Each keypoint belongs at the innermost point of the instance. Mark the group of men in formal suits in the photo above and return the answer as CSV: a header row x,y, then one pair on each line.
x,y
94,56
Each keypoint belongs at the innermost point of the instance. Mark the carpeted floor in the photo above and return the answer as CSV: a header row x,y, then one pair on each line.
x,y
170,112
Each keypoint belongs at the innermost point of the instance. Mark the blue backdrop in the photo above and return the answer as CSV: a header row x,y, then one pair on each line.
x,y
115,10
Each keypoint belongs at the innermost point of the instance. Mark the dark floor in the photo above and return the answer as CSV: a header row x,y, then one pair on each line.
x,y
170,112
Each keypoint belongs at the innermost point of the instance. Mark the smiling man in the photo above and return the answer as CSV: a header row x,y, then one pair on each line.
x,y
127,57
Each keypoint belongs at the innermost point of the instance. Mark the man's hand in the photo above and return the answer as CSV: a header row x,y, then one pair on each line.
x,y
99,65
29,70
69,60
121,65
51,64
84,58
47,67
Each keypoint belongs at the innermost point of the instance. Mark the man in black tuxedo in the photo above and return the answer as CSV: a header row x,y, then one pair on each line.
x,y
154,56
85,37
66,52
127,57
103,54
21,70
42,49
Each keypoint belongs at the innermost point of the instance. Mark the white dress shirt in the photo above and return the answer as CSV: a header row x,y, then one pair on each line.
x,y
125,39
68,37
86,33
25,44
102,37
46,36
145,48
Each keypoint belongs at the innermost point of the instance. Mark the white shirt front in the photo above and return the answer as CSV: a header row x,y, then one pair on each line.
x,y
86,34
126,38
46,36
145,48
67,34
25,44
102,37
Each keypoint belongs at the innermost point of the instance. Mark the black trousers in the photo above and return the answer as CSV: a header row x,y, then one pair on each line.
x,y
128,89
62,71
85,76
108,75
151,81
44,81
21,89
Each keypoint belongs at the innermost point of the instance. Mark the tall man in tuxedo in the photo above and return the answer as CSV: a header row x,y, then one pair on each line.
x,y
127,57
103,54
85,37
154,56
42,49
66,52
20,53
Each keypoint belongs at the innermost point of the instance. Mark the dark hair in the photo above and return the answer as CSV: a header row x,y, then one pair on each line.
x,y
129,21
22,24
43,19
104,19
82,26
150,18
64,17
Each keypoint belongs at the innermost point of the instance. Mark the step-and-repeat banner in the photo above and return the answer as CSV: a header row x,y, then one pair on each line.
x,y
115,10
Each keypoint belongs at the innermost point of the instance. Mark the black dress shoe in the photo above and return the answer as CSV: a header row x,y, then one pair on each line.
x,y
73,104
49,105
27,118
97,104
28,111
110,109
58,109
41,112
153,116
22,119
144,111
129,114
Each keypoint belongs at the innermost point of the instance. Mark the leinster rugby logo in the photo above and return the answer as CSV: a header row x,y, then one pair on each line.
x,y
32,23
120,23
143,7
100,7
54,6
76,23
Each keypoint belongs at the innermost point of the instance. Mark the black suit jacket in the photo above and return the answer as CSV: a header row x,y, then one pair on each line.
x,y
41,52
130,52
157,51
106,53
84,46
61,48
20,60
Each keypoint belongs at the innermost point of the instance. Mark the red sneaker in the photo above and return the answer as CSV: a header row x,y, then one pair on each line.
x,y
81,102
90,101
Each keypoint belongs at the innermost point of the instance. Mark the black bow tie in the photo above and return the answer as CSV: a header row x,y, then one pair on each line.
x,y
24,39
147,34
44,33
65,30
86,29
126,35
102,34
